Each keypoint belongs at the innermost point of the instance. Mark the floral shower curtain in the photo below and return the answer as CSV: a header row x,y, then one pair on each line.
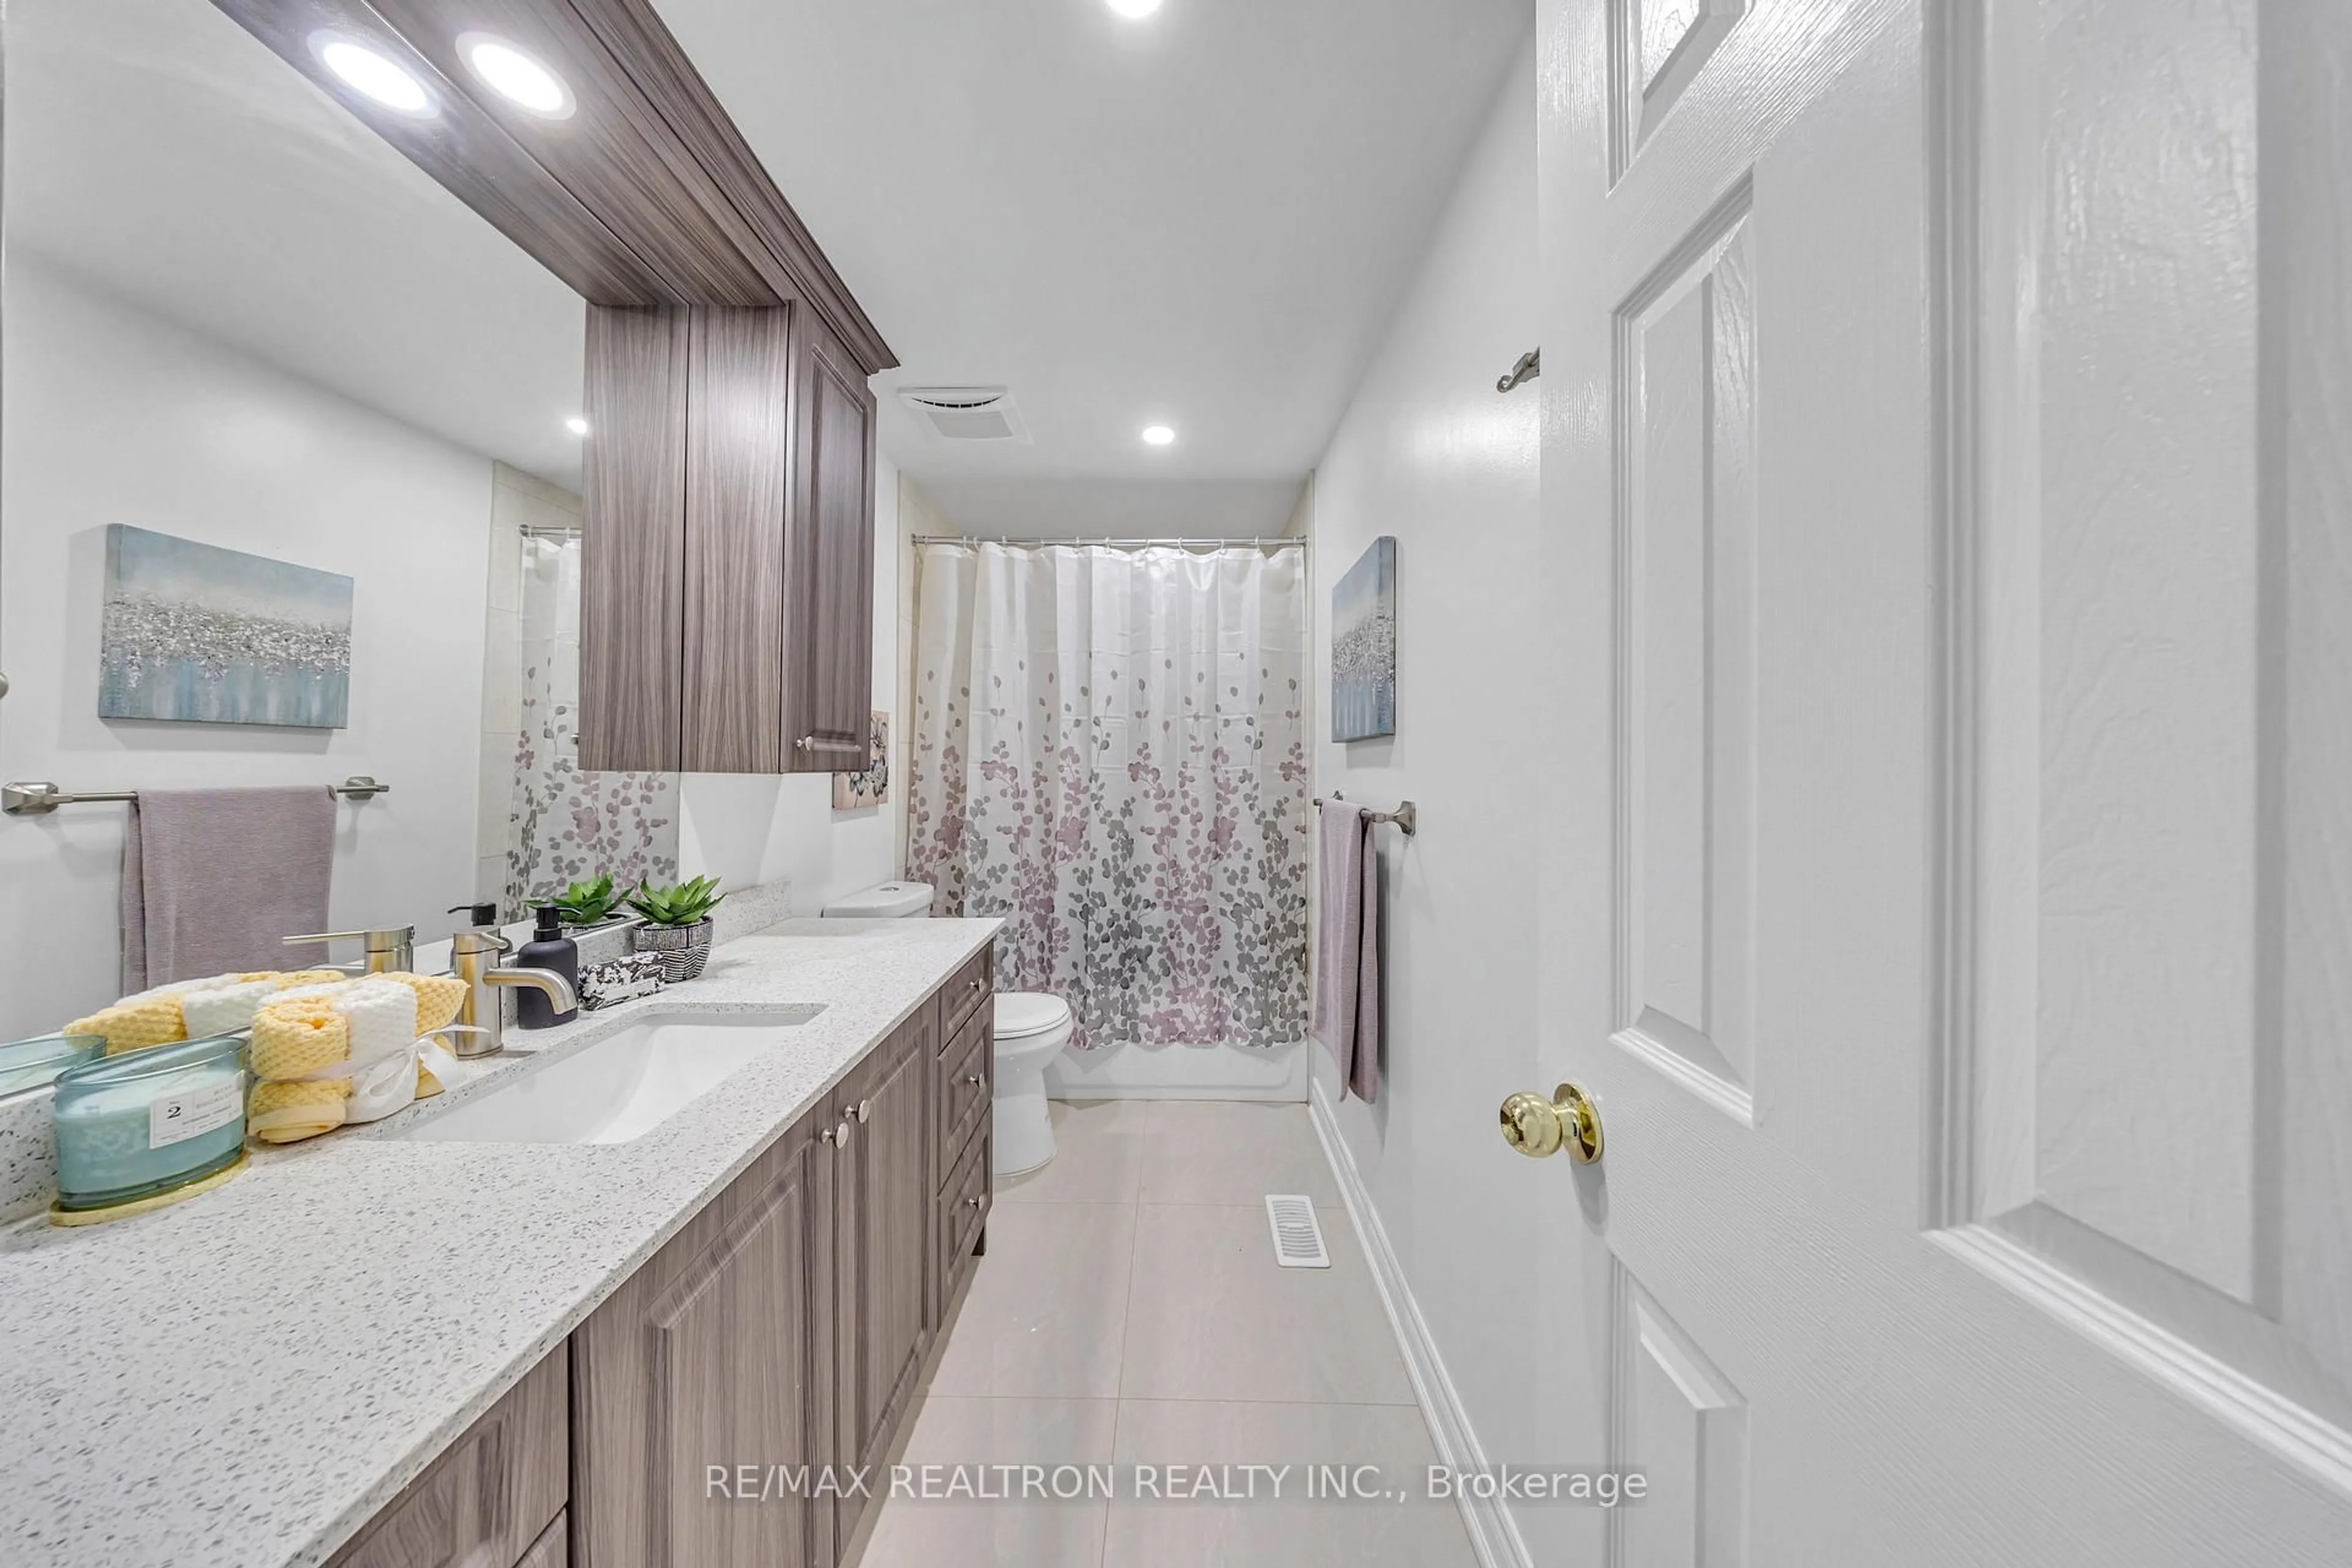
x,y
564,825
1110,750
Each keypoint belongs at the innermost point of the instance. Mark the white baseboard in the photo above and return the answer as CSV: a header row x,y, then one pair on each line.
x,y
1180,1072
1493,1535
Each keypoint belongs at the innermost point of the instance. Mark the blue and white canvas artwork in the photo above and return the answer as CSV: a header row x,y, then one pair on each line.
x,y
217,637
1363,647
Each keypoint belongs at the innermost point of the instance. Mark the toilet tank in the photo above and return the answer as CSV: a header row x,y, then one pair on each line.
x,y
890,901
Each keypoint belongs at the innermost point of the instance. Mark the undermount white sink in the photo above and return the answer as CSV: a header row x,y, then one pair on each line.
x,y
620,1087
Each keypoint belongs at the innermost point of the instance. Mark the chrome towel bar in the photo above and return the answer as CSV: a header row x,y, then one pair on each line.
x,y
1406,815
36,798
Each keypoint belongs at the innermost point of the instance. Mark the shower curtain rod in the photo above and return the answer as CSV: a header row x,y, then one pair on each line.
x,y
1105,543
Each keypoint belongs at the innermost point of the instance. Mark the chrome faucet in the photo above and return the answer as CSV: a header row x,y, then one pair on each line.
x,y
480,1027
390,951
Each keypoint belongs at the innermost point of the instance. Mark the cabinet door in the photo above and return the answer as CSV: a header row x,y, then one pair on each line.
x,y
829,678
702,1387
633,552
738,475
883,1213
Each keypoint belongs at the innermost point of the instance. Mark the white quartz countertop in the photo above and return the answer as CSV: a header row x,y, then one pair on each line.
x,y
245,1379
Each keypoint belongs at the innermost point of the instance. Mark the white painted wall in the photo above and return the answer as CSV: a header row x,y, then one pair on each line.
x,y
747,828
113,416
1429,452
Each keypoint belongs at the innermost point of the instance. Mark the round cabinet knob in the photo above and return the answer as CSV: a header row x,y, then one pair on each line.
x,y
838,1136
972,1203
975,1079
865,1111
1569,1119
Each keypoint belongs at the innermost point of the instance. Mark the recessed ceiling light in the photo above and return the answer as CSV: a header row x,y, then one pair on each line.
x,y
1157,436
374,76
1134,10
576,424
517,77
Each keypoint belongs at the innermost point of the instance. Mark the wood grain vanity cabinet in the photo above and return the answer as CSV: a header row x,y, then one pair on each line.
x,y
690,1421
491,1497
963,1103
716,1359
787,1325
882,1206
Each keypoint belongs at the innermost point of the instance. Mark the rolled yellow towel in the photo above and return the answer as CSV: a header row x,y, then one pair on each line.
x,y
293,1037
289,1112
438,997
134,1026
288,979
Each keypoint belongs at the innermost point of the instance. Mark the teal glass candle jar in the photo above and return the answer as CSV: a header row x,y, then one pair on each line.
x,y
29,1064
148,1122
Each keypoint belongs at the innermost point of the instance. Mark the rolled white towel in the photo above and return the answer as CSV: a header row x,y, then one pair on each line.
x,y
382,1015
216,1010
177,988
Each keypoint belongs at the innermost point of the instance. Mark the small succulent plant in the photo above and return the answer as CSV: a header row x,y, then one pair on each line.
x,y
688,903
588,904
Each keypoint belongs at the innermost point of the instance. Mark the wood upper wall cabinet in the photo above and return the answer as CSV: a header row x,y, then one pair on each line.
x,y
727,612
728,554
829,693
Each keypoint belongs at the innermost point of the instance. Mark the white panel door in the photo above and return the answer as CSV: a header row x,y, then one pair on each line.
x,y
1947,830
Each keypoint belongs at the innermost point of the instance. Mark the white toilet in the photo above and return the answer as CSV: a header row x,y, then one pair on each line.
x,y
1031,1027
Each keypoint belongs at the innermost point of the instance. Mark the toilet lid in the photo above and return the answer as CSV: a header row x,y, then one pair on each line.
x,y
1020,1013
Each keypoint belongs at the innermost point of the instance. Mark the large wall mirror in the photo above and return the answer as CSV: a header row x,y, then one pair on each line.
x,y
290,474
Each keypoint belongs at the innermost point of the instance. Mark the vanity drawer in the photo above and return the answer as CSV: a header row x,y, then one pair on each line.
x,y
966,989
966,1089
964,1207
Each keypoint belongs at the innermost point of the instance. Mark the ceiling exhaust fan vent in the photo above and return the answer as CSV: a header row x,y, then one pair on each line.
x,y
967,413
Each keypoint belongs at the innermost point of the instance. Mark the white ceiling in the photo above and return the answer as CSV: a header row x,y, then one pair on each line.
x,y
1202,219
159,153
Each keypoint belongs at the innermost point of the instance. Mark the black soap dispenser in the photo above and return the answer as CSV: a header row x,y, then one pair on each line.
x,y
548,948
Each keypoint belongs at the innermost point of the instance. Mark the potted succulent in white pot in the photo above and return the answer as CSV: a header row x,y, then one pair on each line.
x,y
677,925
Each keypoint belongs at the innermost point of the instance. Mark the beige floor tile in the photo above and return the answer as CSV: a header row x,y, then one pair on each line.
x,y
1229,1152
1097,1155
1046,1309
923,1522
1286,1530
1212,1317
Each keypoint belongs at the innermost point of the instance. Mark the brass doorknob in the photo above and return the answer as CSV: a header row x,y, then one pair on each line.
x,y
1569,1119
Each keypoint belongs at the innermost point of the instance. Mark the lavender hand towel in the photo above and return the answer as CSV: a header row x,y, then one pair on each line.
x,y
212,878
1348,948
